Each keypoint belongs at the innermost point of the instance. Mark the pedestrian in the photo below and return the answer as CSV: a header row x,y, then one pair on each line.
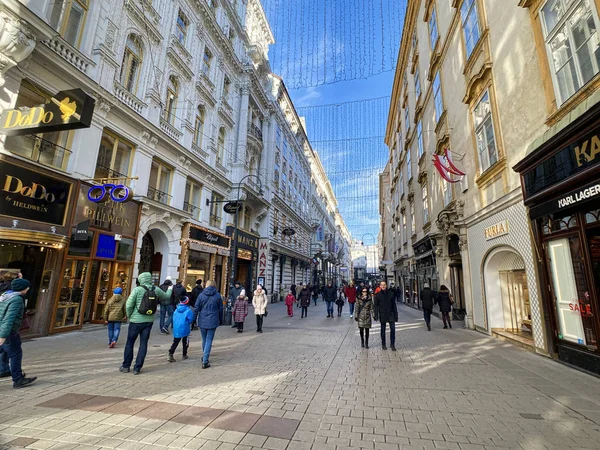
x,y
12,310
113,315
290,299
293,289
386,311
340,302
364,313
195,293
259,301
427,301
240,311
182,319
445,300
304,300
350,292
166,307
209,308
140,323
330,296
234,293
315,294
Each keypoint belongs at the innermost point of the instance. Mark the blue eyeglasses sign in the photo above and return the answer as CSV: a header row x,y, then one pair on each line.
x,y
118,193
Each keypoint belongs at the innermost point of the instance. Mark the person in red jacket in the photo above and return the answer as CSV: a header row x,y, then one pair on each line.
x,y
350,292
289,302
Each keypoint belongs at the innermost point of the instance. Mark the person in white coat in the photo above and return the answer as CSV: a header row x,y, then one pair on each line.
x,y
259,301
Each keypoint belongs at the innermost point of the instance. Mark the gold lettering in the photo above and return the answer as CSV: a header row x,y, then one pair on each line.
x,y
9,118
595,150
581,152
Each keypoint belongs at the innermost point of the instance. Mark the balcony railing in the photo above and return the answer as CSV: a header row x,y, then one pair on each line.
x,y
159,196
191,209
255,131
170,130
215,221
128,98
62,48
107,175
34,147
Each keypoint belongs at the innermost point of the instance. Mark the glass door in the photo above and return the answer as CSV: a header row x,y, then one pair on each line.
x,y
71,294
103,289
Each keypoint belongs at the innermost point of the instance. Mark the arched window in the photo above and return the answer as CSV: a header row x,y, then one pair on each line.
x,y
68,18
221,145
171,103
199,127
132,64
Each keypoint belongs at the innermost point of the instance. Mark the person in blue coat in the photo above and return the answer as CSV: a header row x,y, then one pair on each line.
x,y
182,321
209,308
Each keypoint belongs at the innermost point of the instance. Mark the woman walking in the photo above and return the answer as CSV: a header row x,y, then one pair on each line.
x,y
304,300
364,314
340,302
259,301
445,300
240,311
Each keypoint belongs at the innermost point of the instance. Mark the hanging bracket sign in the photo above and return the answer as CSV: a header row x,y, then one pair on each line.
x,y
118,193
232,207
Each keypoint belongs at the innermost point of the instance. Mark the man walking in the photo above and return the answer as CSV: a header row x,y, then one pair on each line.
x,y
140,324
427,300
166,307
386,311
330,296
195,293
209,308
12,307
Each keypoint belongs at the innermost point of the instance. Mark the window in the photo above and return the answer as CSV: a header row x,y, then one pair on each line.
x,y
433,30
417,85
447,187
404,230
199,127
160,182
181,29
425,198
437,97
215,210
171,103
132,64
207,61
247,219
114,157
401,182
278,137
414,41
193,192
408,166
484,131
407,120
420,138
221,145
226,89
570,32
68,17
50,148
413,224
470,23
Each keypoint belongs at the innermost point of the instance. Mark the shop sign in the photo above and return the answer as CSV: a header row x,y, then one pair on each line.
x,y
198,234
573,198
263,258
496,230
116,192
67,110
32,196
82,231
232,207
243,239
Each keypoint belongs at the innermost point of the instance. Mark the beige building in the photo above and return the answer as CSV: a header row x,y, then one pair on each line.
x,y
477,81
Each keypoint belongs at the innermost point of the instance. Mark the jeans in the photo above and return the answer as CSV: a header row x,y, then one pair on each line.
x,y
11,356
330,308
351,305
168,310
315,300
208,334
304,311
186,344
114,329
143,331
259,322
427,316
392,333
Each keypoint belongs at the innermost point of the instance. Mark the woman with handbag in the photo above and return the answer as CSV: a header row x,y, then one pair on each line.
x,y
364,315
259,301
445,300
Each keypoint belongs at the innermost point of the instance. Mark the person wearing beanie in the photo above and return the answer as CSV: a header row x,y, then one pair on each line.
x,y
12,308
240,310
167,307
114,313
182,321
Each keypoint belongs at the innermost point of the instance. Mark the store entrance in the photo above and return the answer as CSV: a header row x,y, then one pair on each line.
x,y
243,274
105,276
515,302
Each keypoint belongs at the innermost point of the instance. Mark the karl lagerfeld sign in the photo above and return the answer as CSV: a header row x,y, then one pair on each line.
x,y
574,198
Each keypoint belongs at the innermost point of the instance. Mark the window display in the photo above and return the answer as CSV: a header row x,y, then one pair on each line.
x,y
71,294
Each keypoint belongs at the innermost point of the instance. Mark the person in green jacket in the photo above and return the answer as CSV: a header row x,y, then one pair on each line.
x,y
140,324
12,307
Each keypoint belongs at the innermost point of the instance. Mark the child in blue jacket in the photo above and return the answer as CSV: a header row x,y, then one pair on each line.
x,y
182,321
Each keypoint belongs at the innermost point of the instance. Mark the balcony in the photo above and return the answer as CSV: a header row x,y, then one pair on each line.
x,y
43,151
128,98
170,130
158,196
255,132
107,175
199,152
65,50
191,209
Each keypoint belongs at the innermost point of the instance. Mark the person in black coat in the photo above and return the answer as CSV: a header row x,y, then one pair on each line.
x,y
445,300
330,296
194,296
427,301
386,311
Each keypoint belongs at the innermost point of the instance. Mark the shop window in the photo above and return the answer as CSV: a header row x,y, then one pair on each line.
x,y
571,293
125,249
68,18
132,64
107,246
169,112
114,158
82,248
433,29
470,23
182,28
552,224
215,210
160,182
437,97
193,192
571,36
484,132
221,146
50,149
68,310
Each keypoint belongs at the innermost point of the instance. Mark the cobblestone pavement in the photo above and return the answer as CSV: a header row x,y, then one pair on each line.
x,y
302,384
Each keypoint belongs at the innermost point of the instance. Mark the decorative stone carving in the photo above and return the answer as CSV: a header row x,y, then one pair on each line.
x,y
17,41
103,106
111,32
462,243
145,136
153,141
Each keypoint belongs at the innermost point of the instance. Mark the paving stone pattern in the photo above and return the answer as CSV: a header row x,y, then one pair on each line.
x,y
302,384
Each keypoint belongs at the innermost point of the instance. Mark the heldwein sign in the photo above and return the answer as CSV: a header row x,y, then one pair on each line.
x,y
67,110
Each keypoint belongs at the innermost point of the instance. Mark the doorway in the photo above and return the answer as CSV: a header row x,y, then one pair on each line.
x,y
515,303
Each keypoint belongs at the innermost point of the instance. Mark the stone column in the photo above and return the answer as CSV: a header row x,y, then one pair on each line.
x,y
466,264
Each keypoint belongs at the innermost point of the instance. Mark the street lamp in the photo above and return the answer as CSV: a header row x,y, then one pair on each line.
x,y
363,244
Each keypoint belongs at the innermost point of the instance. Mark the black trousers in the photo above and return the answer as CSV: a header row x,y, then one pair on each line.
x,y
304,311
427,316
364,335
340,307
186,344
259,322
240,325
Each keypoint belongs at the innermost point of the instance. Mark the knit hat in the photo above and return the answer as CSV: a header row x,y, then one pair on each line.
x,y
19,284
243,293
184,301
117,291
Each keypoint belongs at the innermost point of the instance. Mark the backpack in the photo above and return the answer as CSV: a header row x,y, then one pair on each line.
x,y
149,303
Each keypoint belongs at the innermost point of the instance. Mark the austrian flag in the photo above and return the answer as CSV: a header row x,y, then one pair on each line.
x,y
447,171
